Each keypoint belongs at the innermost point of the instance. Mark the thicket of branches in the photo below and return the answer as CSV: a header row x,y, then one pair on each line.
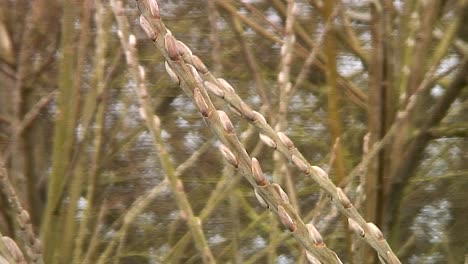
x,y
276,131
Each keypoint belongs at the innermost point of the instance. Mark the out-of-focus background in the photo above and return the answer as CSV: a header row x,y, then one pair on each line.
x,y
364,73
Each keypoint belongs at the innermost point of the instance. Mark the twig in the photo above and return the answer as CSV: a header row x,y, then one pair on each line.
x,y
187,76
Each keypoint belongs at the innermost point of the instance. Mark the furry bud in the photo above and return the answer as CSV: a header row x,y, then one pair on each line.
x,y
171,72
267,140
286,219
375,231
214,89
154,9
300,164
201,103
227,124
286,140
147,28
171,47
343,198
315,235
226,86
257,172
228,155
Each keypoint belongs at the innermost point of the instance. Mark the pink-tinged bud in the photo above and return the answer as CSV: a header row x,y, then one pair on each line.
x,y
320,172
354,226
171,47
247,112
195,74
226,86
214,89
257,172
285,140
199,64
343,198
23,219
147,28
375,231
171,72
259,118
184,51
13,249
154,9
281,192
260,199
228,155
315,235
300,164
268,141
201,103
312,259
227,124
286,219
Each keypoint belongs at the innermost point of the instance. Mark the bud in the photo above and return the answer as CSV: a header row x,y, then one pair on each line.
x,y
226,86
300,164
343,198
171,47
312,259
267,140
147,28
23,219
286,219
214,89
13,248
354,226
195,74
285,140
260,199
281,192
184,51
375,231
199,64
259,118
227,124
171,72
154,9
320,172
315,235
247,112
201,103
228,155
257,172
